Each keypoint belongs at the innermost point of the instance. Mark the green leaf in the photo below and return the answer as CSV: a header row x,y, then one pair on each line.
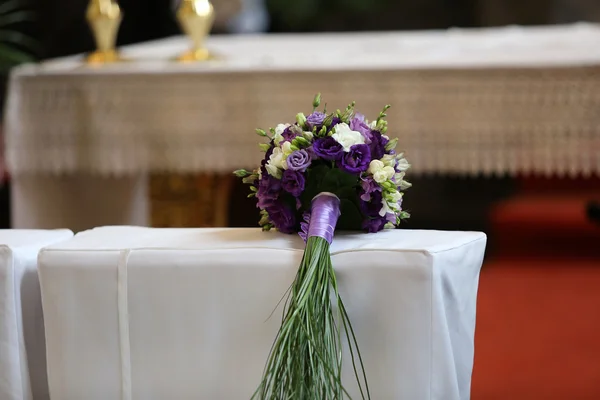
x,y
351,218
16,17
336,180
9,55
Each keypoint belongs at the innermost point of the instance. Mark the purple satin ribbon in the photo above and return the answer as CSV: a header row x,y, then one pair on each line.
x,y
325,211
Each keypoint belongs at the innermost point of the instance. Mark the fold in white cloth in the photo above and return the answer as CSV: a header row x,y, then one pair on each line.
x,y
22,345
141,313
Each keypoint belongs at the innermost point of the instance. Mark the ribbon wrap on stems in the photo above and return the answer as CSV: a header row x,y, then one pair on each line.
x,y
325,211
305,362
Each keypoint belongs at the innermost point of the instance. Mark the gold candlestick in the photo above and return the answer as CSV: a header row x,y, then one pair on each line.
x,y
104,18
196,18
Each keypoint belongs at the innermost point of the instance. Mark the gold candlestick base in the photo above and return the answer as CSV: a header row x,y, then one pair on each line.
x,y
196,18
103,57
195,55
104,18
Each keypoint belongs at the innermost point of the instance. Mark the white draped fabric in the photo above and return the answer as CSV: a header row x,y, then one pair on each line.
x,y
22,342
503,100
141,313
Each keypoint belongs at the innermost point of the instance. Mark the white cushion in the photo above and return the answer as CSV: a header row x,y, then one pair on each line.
x,y
142,313
22,347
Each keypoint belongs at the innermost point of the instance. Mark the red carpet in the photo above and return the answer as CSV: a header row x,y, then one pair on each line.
x,y
538,315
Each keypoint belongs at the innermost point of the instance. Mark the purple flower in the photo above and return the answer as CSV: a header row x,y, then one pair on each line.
x,y
299,160
288,134
372,208
283,217
356,160
368,186
334,122
374,225
315,120
328,148
377,145
293,182
269,189
358,124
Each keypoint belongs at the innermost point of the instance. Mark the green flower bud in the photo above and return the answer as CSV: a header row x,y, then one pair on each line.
x,y
391,144
253,189
403,215
264,146
251,195
267,227
294,148
300,142
317,100
250,179
260,132
309,135
405,185
301,119
389,225
322,132
241,173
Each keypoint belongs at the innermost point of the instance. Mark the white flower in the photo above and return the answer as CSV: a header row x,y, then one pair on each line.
x,y
373,124
380,171
277,137
286,147
389,160
393,197
402,165
385,208
374,166
347,137
273,170
278,159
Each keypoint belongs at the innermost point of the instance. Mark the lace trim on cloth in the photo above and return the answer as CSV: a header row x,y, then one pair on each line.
x,y
450,120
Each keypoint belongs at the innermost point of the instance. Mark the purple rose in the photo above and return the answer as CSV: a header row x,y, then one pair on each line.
x,y
293,182
377,145
315,120
299,160
328,148
358,124
372,208
368,186
283,217
269,189
356,160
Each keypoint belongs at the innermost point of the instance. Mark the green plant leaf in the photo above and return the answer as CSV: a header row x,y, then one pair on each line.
x,y
11,56
16,17
18,38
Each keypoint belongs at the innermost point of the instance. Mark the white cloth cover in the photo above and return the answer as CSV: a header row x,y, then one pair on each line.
x,y
501,100
154,314
22,344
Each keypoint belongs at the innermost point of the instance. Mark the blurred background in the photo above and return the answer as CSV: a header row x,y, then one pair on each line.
x,y
539,299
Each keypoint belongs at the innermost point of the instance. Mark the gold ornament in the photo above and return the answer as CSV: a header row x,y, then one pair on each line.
x,y
196,18
104,18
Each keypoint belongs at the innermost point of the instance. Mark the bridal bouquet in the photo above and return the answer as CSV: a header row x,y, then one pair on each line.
x,y
324,171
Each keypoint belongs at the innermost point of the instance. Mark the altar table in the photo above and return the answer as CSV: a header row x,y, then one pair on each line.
x,y
22,342
143,313
465,101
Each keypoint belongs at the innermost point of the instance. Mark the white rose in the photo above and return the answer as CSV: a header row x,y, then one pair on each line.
x,y
273,170
375,166
278,158
380,176
347,137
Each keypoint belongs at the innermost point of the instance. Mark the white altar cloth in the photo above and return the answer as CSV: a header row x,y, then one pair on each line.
x,y
507,100
22,342
154,314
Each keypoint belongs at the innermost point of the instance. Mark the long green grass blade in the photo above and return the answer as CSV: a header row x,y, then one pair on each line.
x,y
305,361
